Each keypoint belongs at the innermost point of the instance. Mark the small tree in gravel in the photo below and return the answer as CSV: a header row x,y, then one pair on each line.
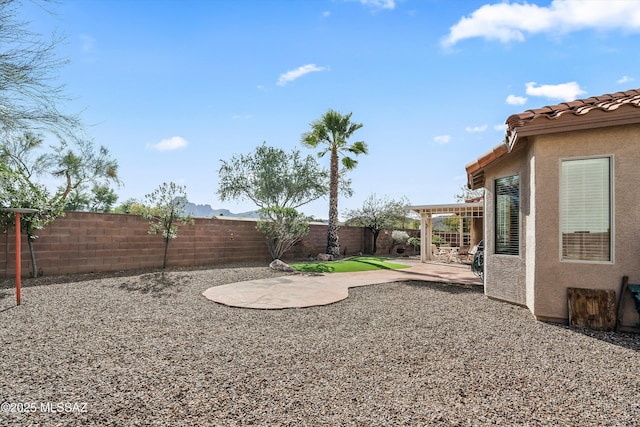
x,y
164,209
282,228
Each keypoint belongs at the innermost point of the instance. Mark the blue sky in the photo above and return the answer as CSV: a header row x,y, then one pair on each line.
x,y
173,87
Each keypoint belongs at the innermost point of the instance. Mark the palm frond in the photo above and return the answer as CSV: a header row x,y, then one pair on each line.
x,y
359,147
349,163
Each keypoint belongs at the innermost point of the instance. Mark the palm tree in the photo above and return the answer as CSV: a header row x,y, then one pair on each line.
x,y
331,132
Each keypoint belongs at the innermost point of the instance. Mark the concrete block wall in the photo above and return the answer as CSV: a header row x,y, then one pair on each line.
x,y
83,242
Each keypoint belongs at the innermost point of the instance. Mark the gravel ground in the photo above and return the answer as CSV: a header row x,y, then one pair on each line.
x,y
142,350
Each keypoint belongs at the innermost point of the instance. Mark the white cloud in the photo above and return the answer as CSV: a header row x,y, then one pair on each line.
x,y
326,13
563,92
508,22
500,128
379,4
625,79
442,139
291,75
88,43
476,129
516,100
170,144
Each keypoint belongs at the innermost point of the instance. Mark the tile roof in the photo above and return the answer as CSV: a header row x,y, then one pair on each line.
x,y
516,123
579,107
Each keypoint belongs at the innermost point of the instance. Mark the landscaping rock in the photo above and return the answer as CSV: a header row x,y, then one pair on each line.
x,y
136,350
279,265
325,257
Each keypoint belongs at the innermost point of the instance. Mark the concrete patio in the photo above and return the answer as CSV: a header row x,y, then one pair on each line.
x,y
305,290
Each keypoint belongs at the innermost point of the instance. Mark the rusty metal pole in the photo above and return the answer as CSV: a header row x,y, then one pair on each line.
x,y
18,211
18,266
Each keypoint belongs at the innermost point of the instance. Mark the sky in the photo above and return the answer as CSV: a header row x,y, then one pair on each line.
x,y
173,87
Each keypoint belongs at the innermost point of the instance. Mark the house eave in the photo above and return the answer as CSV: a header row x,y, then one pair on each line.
x,y
569,123
563,121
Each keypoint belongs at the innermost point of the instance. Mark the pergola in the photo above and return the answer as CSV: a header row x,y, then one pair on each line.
x,y
462,210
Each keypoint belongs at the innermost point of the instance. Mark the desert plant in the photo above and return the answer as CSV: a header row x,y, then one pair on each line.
x,y
399,237
415,243
283,228
164,209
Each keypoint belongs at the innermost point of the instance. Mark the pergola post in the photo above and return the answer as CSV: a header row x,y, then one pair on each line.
x,y
429,236
423,237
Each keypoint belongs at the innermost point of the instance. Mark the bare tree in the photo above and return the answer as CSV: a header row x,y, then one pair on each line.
x,y
30,97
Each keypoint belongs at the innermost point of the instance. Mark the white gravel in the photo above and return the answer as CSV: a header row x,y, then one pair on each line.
x,y
140,351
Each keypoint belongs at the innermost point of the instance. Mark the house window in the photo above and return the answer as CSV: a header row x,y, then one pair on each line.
x,y
508,215
585,209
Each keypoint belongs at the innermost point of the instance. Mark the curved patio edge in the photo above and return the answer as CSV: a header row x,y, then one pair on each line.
x,y
300,291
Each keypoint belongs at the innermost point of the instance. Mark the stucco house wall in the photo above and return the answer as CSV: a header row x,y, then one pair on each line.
x,y
537,277
535,145
552,275
505,279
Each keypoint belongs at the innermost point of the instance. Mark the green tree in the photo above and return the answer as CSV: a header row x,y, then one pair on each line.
x,y
130,206
24,161
16,190
278,182
272,178
451,223
164,209
82,164
101,198
330,134
283,228
75,165
378,213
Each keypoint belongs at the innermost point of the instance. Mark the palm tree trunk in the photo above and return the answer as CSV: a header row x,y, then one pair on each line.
x,y
333,244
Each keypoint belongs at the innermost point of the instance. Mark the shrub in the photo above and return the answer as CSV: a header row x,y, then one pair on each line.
x,y
399,236
282,228
414,242
437,240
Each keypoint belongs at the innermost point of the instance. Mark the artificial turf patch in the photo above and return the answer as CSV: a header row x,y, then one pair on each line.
x,y
361,263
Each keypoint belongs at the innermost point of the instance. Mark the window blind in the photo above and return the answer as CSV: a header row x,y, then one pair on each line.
x,y
507,228
585,209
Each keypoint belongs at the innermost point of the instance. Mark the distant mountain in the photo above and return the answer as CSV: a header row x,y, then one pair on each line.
x,y
206,211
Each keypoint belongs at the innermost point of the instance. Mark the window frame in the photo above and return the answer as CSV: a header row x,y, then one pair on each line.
x,y
519,216
611,259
